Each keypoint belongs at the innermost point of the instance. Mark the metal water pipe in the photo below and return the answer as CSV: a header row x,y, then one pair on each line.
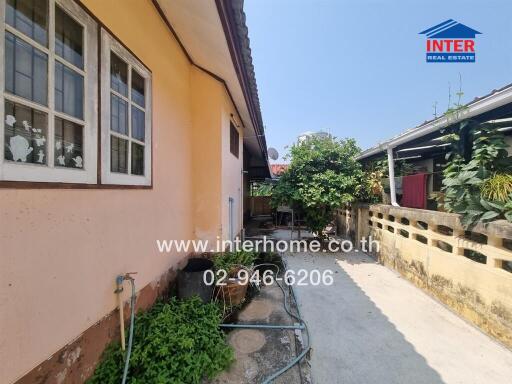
x,y
391,172
119,289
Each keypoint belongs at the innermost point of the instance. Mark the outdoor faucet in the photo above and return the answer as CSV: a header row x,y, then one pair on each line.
x,y
119,289
128,275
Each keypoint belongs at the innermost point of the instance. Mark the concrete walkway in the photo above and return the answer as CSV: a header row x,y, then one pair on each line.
x,y
371,326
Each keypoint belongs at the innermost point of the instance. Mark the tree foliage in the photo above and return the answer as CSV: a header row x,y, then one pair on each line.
x,y
261,189
375,179
323,175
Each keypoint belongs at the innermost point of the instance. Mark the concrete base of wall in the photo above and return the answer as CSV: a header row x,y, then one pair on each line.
x,y
76,362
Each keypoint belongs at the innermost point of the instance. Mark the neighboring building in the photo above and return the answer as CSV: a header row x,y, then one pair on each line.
x,y
423,146
124,123
278,169
468,269
304,136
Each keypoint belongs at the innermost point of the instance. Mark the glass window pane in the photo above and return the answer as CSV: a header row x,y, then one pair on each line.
x,y
118,115
138,89
30,17
26,70
69,91
68,144
68,38
138,123
25,134
234,140
137,159
118,155
118,75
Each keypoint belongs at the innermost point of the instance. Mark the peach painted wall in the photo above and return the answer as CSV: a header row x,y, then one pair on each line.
x,y
206,161
231,174
222,178
61,249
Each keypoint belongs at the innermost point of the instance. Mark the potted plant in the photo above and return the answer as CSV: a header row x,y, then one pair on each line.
x,y
231,284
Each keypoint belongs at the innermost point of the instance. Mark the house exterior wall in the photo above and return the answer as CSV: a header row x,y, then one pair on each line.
x,y
62,248
231,174
207,151
222,178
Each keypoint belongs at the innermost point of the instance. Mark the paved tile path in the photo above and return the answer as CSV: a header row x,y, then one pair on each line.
x,y
372,326
260,353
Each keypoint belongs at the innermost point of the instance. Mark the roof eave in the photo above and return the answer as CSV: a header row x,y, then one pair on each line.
x,y
232,17
474,108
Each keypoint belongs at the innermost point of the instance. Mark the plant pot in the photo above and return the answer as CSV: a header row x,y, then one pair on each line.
x,y
191,281
233,293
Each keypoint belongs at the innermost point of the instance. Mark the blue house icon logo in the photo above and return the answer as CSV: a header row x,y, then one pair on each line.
x,y
450,42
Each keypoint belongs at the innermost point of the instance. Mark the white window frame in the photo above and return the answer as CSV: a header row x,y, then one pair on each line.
x,y
11,171
110,44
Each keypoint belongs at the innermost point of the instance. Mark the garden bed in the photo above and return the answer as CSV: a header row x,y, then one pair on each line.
x,y
183,341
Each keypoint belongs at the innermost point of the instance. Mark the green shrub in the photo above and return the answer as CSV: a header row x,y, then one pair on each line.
x,y
178,342
323,175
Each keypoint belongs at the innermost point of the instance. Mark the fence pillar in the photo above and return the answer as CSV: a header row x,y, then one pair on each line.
x,y
498,243
458,236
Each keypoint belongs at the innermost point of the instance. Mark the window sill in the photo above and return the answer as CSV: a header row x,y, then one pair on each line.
x,y
52,185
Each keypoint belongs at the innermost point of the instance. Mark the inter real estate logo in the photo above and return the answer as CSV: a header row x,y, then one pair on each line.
x,y
450,42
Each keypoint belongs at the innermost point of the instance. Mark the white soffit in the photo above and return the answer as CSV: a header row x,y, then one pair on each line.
x,y
199,28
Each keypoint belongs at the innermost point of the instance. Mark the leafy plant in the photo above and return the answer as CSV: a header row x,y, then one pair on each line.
x,y
375,183
375,179
498,187
176,342
370,187
322,176
402,167
231,262
465,174
261,189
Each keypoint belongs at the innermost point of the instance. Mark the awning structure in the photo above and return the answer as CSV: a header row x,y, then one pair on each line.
x,y
426,141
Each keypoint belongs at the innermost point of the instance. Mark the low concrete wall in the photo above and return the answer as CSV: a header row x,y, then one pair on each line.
x,y
470,271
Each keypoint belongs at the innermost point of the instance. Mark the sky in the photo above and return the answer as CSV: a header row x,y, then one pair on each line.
x,y
356,68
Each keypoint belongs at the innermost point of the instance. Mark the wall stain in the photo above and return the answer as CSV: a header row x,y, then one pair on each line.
x,y
76,362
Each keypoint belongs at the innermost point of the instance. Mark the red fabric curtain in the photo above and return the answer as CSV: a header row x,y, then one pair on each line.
x,y
414,189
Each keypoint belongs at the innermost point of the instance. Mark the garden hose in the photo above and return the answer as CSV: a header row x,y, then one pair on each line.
x,y
302,326
298,317
132,322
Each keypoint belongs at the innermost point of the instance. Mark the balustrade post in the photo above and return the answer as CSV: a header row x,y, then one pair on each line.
x,y
430,240
458,236
497,242
413,225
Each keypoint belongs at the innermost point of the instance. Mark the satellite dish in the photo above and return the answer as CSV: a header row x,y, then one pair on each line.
x,y
273,154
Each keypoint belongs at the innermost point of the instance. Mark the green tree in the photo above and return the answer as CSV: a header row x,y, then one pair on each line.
x,y
323,175
262,189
